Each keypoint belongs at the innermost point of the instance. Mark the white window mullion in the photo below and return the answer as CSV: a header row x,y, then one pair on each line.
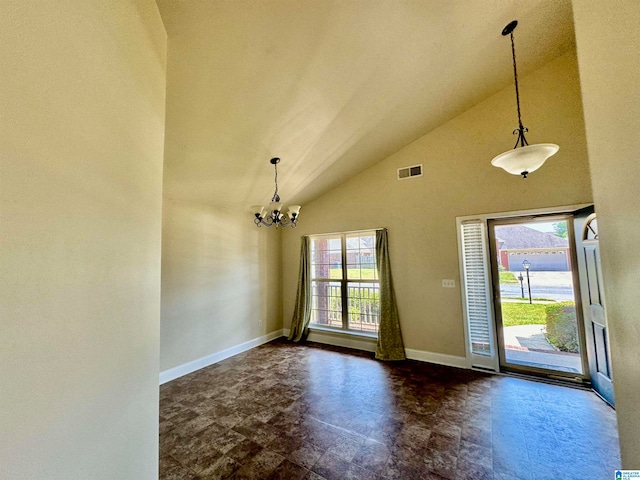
x,y
345,285
476,293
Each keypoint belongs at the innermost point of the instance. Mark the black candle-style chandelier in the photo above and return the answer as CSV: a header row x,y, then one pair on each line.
x,y
524,158
272,215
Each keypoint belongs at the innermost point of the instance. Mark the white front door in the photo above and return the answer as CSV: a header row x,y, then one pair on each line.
x,y
594,313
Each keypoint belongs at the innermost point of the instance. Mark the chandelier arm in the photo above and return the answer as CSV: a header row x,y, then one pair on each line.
x,y
284,223
289,222
268,220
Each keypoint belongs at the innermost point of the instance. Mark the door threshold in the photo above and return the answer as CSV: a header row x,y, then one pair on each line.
x,y
552,380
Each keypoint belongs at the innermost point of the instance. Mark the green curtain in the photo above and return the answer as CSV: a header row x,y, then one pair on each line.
x,y
390,346
302,310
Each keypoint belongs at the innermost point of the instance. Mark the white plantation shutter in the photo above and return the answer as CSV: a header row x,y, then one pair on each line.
x,y
478,307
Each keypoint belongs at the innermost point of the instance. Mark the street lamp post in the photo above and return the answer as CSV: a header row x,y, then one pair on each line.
x,y
521,278
527,264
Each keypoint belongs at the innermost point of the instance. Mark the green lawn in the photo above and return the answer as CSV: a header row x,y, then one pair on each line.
x,y
526,299
523,314
354,273
508,277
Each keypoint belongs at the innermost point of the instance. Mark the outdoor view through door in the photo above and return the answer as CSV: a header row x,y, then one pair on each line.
x,y
538,327
345,291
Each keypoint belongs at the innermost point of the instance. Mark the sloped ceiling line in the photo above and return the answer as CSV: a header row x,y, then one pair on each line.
x,y
331,87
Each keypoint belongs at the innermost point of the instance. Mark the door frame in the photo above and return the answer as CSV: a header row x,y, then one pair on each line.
x,y
491,363
505,366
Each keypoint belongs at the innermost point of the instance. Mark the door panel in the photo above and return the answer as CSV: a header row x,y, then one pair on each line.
x,y
595,316
602,359
540,330
591,260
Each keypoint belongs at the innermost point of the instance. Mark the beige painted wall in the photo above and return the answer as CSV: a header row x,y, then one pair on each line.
x,y
608,40
221,282
82,125
458,180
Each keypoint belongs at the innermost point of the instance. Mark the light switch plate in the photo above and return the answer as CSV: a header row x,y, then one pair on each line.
x,y
448,284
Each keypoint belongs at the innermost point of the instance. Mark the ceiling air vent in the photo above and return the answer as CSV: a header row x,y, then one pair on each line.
x,y
410,172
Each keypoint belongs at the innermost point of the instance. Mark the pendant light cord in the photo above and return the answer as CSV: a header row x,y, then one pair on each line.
x,y
521,130
276,197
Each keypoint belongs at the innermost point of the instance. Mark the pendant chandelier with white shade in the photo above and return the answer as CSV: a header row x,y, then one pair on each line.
x,y
524,158
272,214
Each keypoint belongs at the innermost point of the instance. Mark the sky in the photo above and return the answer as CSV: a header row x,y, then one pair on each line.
x,y
541,226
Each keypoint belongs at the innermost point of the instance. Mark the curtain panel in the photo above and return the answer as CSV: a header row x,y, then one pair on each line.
x,y
390,345
302,311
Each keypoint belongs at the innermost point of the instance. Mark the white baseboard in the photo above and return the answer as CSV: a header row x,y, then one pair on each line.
x,y
189,367
369,345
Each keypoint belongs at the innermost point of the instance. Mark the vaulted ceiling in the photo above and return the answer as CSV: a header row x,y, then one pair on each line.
x,y
330,86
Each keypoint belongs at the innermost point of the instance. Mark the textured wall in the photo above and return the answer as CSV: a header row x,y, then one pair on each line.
x,y
221,282
458,180
608,42
82,125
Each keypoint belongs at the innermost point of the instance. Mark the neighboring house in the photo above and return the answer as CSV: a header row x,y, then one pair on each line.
x,y
360,251
545,251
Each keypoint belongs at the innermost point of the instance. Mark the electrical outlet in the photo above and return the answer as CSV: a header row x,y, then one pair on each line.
x,y
448,284
260,322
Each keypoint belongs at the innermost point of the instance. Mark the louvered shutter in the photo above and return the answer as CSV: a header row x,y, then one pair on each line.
x,y
476,284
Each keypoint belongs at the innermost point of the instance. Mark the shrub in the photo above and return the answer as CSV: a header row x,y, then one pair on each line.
x,y
562,326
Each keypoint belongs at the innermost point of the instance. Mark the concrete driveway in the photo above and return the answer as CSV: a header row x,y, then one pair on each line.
x,y
556,286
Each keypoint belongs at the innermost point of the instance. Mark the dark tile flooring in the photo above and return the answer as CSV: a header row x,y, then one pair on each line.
x,y
285,411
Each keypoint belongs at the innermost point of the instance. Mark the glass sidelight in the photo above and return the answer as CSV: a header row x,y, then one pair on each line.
x,y
537,307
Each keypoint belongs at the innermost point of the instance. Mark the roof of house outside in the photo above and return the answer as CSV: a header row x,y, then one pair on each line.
x,y
361,242
517,237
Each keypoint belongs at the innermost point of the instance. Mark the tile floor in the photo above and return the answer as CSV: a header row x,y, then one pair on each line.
x,y
285,411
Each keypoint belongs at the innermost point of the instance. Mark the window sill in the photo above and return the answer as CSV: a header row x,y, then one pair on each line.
x,y
350,333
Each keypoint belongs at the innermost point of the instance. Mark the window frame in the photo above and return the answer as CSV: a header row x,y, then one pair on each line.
x,y
344,282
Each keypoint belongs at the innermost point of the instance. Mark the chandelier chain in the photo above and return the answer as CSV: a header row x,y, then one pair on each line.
x,y
276,197
515,76
521,130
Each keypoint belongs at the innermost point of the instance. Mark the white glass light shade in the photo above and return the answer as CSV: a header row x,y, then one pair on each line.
x,y
294,210
523,160
258,209
275,206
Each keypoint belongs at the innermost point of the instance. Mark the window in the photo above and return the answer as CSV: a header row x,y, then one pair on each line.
x,y
345,293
